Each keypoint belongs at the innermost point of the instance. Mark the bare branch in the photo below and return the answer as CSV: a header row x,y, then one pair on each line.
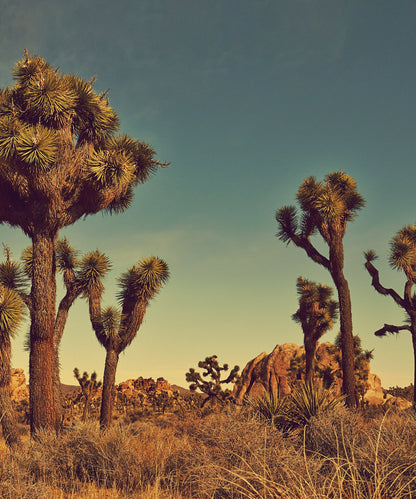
x,y
389,328
311,251
381,289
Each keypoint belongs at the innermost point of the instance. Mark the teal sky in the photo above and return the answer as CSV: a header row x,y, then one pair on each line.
x,y
245,99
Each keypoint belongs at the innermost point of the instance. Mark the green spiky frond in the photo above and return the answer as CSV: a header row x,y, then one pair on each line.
x,y
37,146
140,153
111,168
317,311
144,279
12,275
111,318
370,255
336,199
403,250
27,70
287,222
10,130
92,268
12,311
311,399
66,255
308,193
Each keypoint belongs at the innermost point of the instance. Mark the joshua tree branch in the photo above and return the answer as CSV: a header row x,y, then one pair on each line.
x,y
94,302
381,289
389,328
311,251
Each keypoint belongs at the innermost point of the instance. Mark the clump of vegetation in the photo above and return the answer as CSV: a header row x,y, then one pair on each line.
x,y
89,388
212,388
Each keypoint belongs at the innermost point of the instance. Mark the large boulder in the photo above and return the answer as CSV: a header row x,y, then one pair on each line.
x,y
271,372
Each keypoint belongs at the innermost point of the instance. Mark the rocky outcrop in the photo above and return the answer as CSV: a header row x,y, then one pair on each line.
x,y
132,387
18,386
271,372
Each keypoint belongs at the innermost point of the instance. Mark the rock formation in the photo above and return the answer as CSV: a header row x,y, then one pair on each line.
x,y
270,372
18,386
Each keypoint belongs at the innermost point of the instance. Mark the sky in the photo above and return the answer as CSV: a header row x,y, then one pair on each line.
x,y
245,99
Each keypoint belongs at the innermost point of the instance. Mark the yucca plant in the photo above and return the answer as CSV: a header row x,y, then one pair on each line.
x,y
60,160
115,329
269,406
311,399
326,208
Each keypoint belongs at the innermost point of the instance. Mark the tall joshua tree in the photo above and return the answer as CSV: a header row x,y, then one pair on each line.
x,y
402,258
116,329
316,315
326,207
60,160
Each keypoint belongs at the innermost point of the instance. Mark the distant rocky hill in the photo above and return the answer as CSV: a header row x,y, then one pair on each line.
x,y
271,372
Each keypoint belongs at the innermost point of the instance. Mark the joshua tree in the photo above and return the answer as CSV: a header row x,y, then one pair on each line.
x,y
60,160
213,388
11,315
89,387
316,315
402,258
116,329
17,276
326,207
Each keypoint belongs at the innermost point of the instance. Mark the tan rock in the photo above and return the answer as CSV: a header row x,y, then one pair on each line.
x,y
18,386
269,372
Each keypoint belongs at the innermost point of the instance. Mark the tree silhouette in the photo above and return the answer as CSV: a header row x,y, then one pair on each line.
x,y
115,329
60,160
326,207
89,387
212,388
315,314
403,258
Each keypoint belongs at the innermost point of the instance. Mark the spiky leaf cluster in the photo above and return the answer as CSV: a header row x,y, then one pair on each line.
x,y
12,311
92,268
403,251
12,275
317,311
324,206
143,280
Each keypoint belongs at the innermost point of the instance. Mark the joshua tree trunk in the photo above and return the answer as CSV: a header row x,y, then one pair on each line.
x,y
43,356
107,401
310,347
7,415
345,317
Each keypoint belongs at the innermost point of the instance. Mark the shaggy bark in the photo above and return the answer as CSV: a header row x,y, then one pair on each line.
x,y
107,402
43,367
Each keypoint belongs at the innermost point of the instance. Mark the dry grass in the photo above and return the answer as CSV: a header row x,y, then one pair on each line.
x,y
225,455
